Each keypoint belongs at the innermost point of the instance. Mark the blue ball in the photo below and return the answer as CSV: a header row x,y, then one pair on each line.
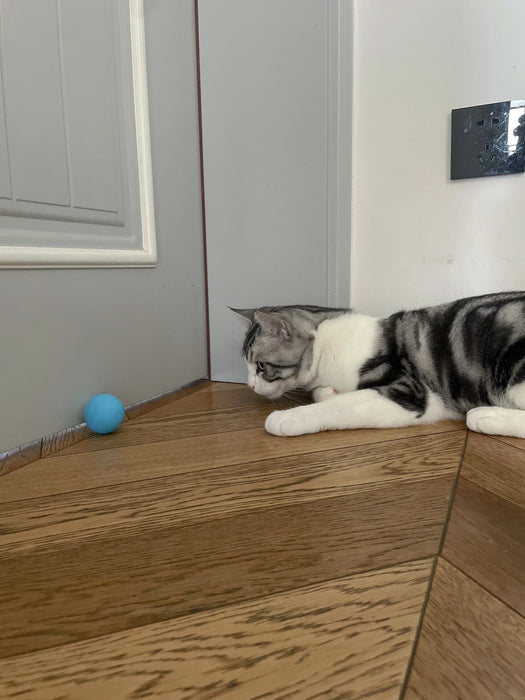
x,y
104,413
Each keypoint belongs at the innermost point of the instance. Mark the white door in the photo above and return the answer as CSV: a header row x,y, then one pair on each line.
x,y
66,114
274,152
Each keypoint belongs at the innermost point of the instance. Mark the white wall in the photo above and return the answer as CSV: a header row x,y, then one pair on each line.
x,y
417,237
66,335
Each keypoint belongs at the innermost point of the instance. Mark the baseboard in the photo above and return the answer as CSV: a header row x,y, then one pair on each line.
x,y
137,409
50,444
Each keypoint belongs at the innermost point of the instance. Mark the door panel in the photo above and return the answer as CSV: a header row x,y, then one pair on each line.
x,y
267,102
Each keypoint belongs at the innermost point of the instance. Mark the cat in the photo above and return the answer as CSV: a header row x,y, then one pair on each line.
x,y
466,357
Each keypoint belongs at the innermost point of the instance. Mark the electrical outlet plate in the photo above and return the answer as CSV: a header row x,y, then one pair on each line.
x,y
488,140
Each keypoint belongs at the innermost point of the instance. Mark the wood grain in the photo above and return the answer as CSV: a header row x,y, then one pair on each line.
x,y
55,442
153,429
198,496
208,399
110,583
65,472
348,638
519,443
225,386
191,554
495,466
180,420
471,644
212,411
486,540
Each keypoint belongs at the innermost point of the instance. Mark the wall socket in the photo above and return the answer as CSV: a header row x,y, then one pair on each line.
x,y
488,140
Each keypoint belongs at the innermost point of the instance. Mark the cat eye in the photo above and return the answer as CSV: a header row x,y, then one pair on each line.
x,y
261,366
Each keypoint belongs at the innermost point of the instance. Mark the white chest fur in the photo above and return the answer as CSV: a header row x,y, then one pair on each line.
x,y
341,347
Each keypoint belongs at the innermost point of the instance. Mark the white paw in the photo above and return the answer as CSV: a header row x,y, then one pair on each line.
x,y
321,393
491,420
293,421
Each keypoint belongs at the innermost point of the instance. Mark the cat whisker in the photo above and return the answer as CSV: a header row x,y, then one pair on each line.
x,y
295,397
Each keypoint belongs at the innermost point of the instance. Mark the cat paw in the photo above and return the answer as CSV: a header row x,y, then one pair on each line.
x,y
293,421
491,420
321,393
495,420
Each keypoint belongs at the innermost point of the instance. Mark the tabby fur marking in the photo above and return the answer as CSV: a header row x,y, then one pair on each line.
x,y
466,357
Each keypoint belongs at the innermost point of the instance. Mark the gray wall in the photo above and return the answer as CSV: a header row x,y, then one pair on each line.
x,y
66,335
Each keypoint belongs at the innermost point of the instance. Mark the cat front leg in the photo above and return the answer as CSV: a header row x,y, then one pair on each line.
x,y
494,420
365,408
321,393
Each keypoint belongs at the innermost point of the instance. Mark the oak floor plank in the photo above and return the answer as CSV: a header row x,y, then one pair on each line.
x,y
154,429
177,421
64,472
496,466
85,589
486,540
471,644
152,544
116,465
349,638
191,497
519,443
210,399
225,386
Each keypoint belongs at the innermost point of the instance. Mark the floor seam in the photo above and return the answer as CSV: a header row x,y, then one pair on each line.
x,y
482,586
426,600
213,609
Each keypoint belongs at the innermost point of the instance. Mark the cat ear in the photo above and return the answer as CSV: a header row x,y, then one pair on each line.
x,y
246,314
273,324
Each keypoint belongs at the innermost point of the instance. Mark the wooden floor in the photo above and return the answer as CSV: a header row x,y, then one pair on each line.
x,y
192,555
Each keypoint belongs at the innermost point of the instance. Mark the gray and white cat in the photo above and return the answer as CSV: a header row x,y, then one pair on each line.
x,y
414,367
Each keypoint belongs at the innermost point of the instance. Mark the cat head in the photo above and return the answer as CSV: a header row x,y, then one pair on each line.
x,y
277,348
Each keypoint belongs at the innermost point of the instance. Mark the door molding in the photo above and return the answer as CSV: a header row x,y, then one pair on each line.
x,y
339,150
137,248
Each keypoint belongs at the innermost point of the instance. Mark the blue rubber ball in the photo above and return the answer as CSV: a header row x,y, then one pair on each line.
x,y
104,413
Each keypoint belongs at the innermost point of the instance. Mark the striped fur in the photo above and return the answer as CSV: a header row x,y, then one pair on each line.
x,y
412,367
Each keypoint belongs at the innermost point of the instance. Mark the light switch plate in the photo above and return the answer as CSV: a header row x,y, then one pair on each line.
x,y
488,140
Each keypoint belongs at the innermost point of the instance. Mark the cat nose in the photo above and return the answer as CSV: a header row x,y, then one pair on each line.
x,y
251,385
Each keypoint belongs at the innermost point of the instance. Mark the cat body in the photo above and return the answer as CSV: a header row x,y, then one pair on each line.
x,y
413,367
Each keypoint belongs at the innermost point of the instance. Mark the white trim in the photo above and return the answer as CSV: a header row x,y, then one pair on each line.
x,y
140,97
26,257
146,256
355,184
339,150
